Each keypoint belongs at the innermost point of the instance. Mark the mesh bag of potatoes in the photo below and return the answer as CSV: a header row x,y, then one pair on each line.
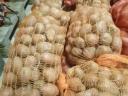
x,y
50,3
34,62
53,16
91,33
95,3
91,79
71,4
51,8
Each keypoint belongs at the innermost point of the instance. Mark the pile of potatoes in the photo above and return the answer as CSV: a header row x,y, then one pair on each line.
x,y
91,79
48,33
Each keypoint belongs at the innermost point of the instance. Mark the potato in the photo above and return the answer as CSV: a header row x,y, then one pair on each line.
x,y
56,13
91,39
78,72
81,94
44,9
22,50
89,52
91,92
59,48
9,78
101,27
76,30
104,72
33,50
50,59
26,30
50,34
85,28
29,30
23,91
116,44
90,80
94,18
26,39
90,67
106,39
75,84
103,50
45,47
50,75
76,51
39,28
49,90
25,74
7,91
35,74
30,61
29,20
38,38
60,39
64,20
35,92
38,84
106,85
17,65
79,42
106,94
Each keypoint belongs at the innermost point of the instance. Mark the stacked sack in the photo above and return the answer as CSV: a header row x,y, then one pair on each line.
x,y
34,62
91,33
91,79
